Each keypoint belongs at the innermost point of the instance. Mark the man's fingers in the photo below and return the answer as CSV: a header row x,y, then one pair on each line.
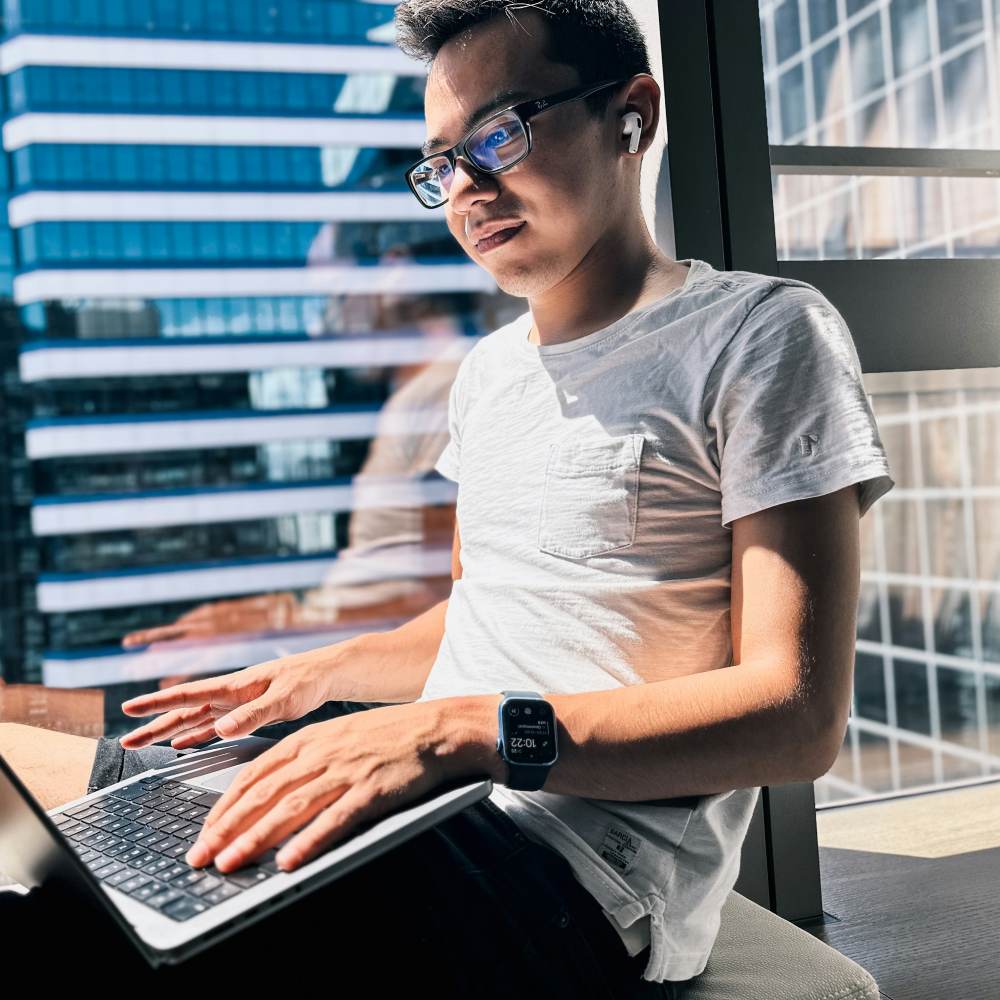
x,y
190,737
246,718
166,725
245,831
190,693
331,826
147,635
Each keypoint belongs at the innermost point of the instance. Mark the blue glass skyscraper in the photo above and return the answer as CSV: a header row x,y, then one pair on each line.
x,y
214,274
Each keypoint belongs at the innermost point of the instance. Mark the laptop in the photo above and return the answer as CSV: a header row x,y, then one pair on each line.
x,y
124,845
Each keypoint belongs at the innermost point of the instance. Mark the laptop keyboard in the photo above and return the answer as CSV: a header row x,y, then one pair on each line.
x,y
135,838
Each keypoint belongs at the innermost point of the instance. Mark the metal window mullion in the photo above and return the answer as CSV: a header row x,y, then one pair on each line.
x,y
922,656
992,76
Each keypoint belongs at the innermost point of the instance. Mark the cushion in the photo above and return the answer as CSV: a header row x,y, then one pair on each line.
x,y
761,956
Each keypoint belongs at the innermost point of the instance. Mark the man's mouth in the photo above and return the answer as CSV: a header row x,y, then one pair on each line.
x,y
499,237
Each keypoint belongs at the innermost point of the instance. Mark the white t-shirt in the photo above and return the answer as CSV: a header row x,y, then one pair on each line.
x,y
598,480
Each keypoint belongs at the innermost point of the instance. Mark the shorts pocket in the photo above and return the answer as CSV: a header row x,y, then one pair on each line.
x,y
591,495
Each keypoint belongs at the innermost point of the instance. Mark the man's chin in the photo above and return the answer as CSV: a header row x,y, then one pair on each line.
x,y
521,281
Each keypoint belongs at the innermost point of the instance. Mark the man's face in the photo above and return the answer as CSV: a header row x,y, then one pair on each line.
x,y
563,189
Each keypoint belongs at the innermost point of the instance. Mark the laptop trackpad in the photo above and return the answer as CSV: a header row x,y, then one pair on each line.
x,y
214,766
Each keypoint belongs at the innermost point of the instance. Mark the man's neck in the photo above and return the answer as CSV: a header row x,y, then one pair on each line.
x,y
606,286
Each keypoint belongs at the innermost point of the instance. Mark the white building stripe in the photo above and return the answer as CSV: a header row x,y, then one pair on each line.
x,y
328,206
166,586
187,658
171,53
97,437
212,130
326,279
178,356
134,513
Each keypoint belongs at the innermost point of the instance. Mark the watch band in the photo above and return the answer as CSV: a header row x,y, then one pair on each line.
x,y
524,777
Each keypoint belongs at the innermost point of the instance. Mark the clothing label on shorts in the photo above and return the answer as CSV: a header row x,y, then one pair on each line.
x,y
620,848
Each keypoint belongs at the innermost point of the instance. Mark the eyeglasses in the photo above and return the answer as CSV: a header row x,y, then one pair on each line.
x,y
492,146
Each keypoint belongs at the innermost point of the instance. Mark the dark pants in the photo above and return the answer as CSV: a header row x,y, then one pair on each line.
x,y
469,908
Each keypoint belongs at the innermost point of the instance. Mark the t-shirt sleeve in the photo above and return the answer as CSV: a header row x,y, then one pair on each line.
x,y
787,411
448,462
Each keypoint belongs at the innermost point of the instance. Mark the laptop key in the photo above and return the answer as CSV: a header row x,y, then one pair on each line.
x,y
130,793
123,876
157,866
191,877
206,884
163,823
146,799
175,809
115,850
136,882
223,892
104,822
189,811
64,820
174,871
160,899
206,798
111,868
90,815
94,839
151,839
247,878
78,810
184,908
150,889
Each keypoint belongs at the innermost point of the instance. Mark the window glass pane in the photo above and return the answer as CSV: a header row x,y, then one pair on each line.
x,y
874,84
927,665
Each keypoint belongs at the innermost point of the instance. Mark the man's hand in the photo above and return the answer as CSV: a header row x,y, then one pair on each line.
x,y
243,615
318,784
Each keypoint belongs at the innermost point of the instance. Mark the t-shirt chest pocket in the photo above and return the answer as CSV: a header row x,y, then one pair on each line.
x,y
590,496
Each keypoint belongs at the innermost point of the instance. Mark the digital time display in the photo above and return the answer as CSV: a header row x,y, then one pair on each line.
x,y
529,727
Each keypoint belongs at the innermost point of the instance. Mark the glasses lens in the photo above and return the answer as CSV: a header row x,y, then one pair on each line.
x,y
431,180
498,143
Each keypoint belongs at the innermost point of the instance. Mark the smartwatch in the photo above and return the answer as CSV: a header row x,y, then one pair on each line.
x,y
526,738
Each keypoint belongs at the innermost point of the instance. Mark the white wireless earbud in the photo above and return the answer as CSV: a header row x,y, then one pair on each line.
x,y
633,129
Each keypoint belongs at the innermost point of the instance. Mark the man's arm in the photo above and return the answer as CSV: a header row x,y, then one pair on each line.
x,y
777,714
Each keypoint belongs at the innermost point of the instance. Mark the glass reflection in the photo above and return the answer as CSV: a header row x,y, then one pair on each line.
x,y
927,667
847,92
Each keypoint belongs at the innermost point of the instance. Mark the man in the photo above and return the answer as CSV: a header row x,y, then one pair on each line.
x,y
661,469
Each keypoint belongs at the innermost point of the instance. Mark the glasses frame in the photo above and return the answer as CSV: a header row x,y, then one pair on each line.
x,y
524,111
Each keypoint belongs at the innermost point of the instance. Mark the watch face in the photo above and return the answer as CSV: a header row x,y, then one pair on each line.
x,y
529,727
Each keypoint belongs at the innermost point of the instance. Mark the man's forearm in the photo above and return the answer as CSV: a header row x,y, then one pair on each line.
x,y
388,666
735,727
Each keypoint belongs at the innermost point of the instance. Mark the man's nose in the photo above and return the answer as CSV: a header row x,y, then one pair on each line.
x,y
469,185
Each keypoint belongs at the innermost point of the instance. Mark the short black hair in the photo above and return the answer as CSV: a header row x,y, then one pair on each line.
x,y
601,38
